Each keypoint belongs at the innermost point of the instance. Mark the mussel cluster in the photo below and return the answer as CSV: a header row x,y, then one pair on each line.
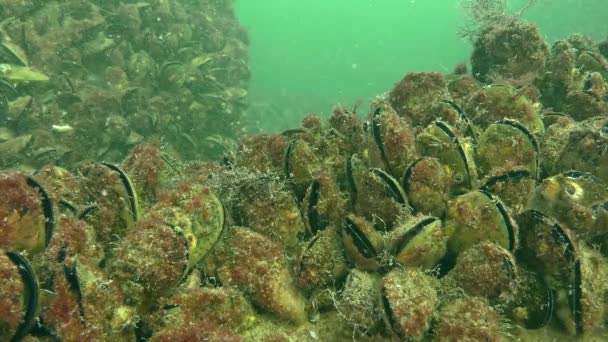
x,y
91,79
456,210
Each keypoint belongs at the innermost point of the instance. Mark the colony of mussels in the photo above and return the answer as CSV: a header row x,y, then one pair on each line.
x,y
90,79
463,207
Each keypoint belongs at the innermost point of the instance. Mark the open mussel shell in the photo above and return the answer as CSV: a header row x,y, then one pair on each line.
x,y
20,292
323,204
381,199
353,171
570,197
459,119
534,304
419,242
515,145
427,185
313,219
440,140
479,216
27,213
393,139
515,188
363,244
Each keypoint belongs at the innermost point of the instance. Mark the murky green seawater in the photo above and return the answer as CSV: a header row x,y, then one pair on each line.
x,y
307,56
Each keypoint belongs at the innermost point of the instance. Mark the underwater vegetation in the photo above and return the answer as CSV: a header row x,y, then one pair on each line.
x,y
462,207
88,80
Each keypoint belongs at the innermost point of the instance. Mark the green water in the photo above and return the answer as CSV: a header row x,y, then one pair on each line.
x,y
307,56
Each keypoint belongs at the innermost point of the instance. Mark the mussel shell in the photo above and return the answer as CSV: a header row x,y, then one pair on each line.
x,y
129,188
550,118
516,146
321,262
441,141
47,207
427,184
419,243
71,274
498,101
515,188
300,165
546,246
12,54
486,270
479,216
463,123
376,125
408,300
313,219
110,189
591,61
362,243
393,139
535,298
584,289
380,198
358,301
394,189
32,217
30,295
353,169
206,229
570,198
323,204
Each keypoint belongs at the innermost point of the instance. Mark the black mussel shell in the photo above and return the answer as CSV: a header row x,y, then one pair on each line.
x,y
71,276
413,232
47,208
378,137
507,177
536,297
31,294
352,168
313,219
130,189
359,238
394,189
509,224
468,125
533,222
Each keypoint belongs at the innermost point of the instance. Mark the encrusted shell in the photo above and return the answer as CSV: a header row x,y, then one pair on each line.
x,y
441,141
479,216
419,242
408,299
